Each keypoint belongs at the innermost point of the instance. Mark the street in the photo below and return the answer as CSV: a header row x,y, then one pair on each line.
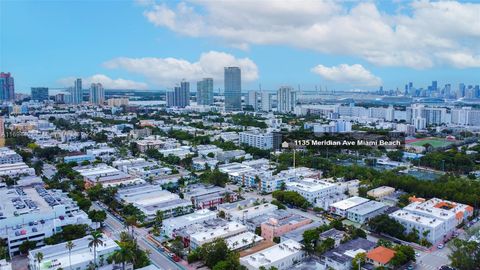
x,y
113,227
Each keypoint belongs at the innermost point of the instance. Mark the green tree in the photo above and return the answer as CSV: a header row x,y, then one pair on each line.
x,y
95,241
39,258
26,246
359,260
310,238
465,255
70,245
97,216
214,252
124,254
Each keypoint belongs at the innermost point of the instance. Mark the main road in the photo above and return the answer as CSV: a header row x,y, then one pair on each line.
x,y
113,227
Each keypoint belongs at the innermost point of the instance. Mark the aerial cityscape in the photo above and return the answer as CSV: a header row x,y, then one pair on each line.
x,y
239,135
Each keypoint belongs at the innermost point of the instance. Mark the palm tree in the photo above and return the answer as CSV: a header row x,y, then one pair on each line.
x,y
159,218
125,237
95,241
131,221
70,245
124,254
39,258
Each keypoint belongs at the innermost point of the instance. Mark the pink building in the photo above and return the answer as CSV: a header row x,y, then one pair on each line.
x,y
277,227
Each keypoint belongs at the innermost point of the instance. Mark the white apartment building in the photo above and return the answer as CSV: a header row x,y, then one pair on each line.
x,y
317,192
465,116
286,99
243,240
241,214
266,101
257,139
232,228
34,214
437,217
180,152
81,255
170,225
282,256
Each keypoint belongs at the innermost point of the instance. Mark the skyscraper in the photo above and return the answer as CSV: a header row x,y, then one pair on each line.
x,y
266,101
7,87
97,94
252,99
286,99
233,89
77,92
205,91
39,93
180,97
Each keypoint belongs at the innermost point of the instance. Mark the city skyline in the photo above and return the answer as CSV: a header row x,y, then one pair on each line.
x,y
157,48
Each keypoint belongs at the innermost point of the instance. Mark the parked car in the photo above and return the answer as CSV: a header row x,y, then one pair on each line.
x,y
440,246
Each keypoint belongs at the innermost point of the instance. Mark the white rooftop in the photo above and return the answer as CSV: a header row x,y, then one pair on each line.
x,y
414,218
273,254
309,185
349,203
242,240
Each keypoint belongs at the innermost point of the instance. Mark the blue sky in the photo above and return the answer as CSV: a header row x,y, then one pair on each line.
x,y
150,45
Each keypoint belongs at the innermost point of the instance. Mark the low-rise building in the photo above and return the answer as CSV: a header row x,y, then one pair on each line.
x,y
243,241
105,175
151,198
171,225
340,208
380,256
80,257
340,258
8,156
203,196
282,256
434,219
317,192
16,169
248,211
366,211
278,227
297,234
35,213
232,228
381,192
78,158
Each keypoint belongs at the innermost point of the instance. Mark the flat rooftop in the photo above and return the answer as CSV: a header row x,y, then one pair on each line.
x,y
349,203
242,240
441,209
198,215
366,208
217,232
273,254
81,252
309,185
297,234
415,218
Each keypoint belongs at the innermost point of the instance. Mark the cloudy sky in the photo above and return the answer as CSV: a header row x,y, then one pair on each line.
x,y
153,45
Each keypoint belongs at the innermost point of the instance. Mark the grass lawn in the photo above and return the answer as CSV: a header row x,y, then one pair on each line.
x,y
435,142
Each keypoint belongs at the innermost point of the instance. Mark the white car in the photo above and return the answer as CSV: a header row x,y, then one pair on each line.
x,y
440,246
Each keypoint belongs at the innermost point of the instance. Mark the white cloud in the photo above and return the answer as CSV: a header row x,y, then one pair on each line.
x,y
169,71
355,75
106,81
430,35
